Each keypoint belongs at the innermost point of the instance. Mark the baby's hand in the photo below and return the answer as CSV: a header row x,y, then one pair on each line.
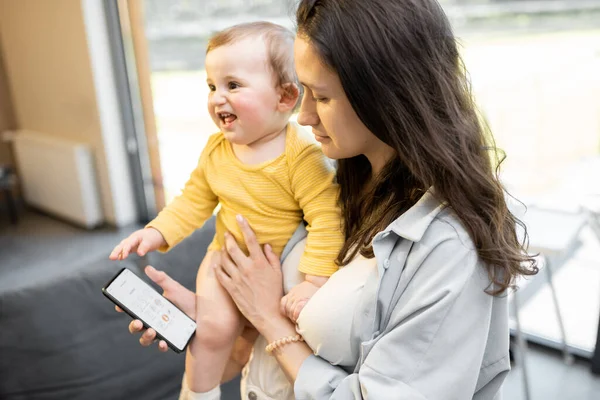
x,y
143,240
293,302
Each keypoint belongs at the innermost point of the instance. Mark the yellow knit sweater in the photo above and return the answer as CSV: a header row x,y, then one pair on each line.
x,y
273,196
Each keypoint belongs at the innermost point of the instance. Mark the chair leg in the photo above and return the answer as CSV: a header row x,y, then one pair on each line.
x,y
521,357
567,356
11,206
594,219
596,356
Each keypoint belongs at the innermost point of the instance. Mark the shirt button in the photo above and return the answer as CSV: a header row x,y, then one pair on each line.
x,y
386,263
252,396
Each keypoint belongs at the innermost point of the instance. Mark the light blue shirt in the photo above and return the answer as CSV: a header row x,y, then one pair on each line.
x,y
424,324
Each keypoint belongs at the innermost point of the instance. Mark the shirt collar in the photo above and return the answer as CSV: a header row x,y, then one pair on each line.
x,y
414,222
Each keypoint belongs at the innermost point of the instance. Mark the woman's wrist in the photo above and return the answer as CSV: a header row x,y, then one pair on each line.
x,y
290,353
275,327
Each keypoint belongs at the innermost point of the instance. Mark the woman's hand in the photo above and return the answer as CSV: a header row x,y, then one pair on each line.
x,y
254,282
173,291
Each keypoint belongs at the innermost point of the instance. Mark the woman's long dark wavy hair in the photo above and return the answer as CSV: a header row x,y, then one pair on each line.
x,y
400,67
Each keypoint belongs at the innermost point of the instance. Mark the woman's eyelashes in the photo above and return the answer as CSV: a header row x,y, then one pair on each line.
x,y
313,96
317,98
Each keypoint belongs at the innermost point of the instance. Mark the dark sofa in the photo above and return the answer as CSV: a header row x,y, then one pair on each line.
x,y
60,338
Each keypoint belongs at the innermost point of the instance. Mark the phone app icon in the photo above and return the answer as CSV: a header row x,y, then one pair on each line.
x,y
165,317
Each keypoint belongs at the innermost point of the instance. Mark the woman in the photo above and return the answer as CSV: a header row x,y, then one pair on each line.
x,y
419,310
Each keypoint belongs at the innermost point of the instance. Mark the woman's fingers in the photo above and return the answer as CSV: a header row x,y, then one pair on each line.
x,y
160,278
179,295
272,258
223,278
249,237
118,309
148,337
224,270
233,250
162,346
227,265
135,326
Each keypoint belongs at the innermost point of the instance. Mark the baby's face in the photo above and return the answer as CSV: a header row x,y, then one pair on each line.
x,y
243,98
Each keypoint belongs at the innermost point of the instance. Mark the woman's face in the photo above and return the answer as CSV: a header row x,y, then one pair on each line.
x,y
327,110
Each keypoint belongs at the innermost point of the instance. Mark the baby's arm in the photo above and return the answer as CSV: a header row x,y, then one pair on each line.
x,y
177,220
314,187
293,302
188,211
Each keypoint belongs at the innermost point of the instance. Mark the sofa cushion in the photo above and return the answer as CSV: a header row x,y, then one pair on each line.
x,y
60,338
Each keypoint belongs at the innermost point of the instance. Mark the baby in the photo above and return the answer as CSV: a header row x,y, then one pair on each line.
x,y
260,166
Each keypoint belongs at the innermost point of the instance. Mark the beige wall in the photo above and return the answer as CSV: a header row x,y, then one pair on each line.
x,y
50,76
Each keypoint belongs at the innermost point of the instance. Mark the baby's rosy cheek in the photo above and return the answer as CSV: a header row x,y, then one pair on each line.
x,y
253,106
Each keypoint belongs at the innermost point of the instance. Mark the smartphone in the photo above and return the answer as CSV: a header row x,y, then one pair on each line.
x,y
138,299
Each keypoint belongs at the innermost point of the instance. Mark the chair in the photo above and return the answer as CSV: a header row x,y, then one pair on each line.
x,y
553,235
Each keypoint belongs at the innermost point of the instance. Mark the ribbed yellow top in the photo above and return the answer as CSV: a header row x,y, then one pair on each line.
x,y
273,196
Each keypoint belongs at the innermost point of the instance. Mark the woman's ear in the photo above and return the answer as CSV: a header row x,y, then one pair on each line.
x,y
288,97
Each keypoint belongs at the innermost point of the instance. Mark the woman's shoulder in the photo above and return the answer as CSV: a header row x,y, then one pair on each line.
x,y
447,226
430,220
438,240
436,253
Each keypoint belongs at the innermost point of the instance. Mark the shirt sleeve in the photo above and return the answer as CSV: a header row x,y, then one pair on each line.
x,y
188,211
312,181
434,345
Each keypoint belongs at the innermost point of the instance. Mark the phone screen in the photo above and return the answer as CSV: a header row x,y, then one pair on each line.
x,y
145,303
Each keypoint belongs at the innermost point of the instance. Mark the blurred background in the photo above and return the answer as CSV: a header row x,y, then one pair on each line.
x,y
103,116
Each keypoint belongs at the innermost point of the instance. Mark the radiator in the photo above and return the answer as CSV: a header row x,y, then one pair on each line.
x,y
58,176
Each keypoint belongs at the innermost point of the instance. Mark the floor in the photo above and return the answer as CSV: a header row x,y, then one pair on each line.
x,y
550,379
50,244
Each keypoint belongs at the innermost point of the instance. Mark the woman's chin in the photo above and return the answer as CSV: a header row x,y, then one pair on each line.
x,y
330,150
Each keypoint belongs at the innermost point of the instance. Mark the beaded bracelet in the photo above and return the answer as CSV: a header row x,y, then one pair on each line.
x,y
283,341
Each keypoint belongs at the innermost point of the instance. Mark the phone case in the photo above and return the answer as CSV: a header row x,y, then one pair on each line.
x,y
134,316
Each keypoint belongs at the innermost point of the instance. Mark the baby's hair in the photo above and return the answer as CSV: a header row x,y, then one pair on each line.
x,y
279,41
